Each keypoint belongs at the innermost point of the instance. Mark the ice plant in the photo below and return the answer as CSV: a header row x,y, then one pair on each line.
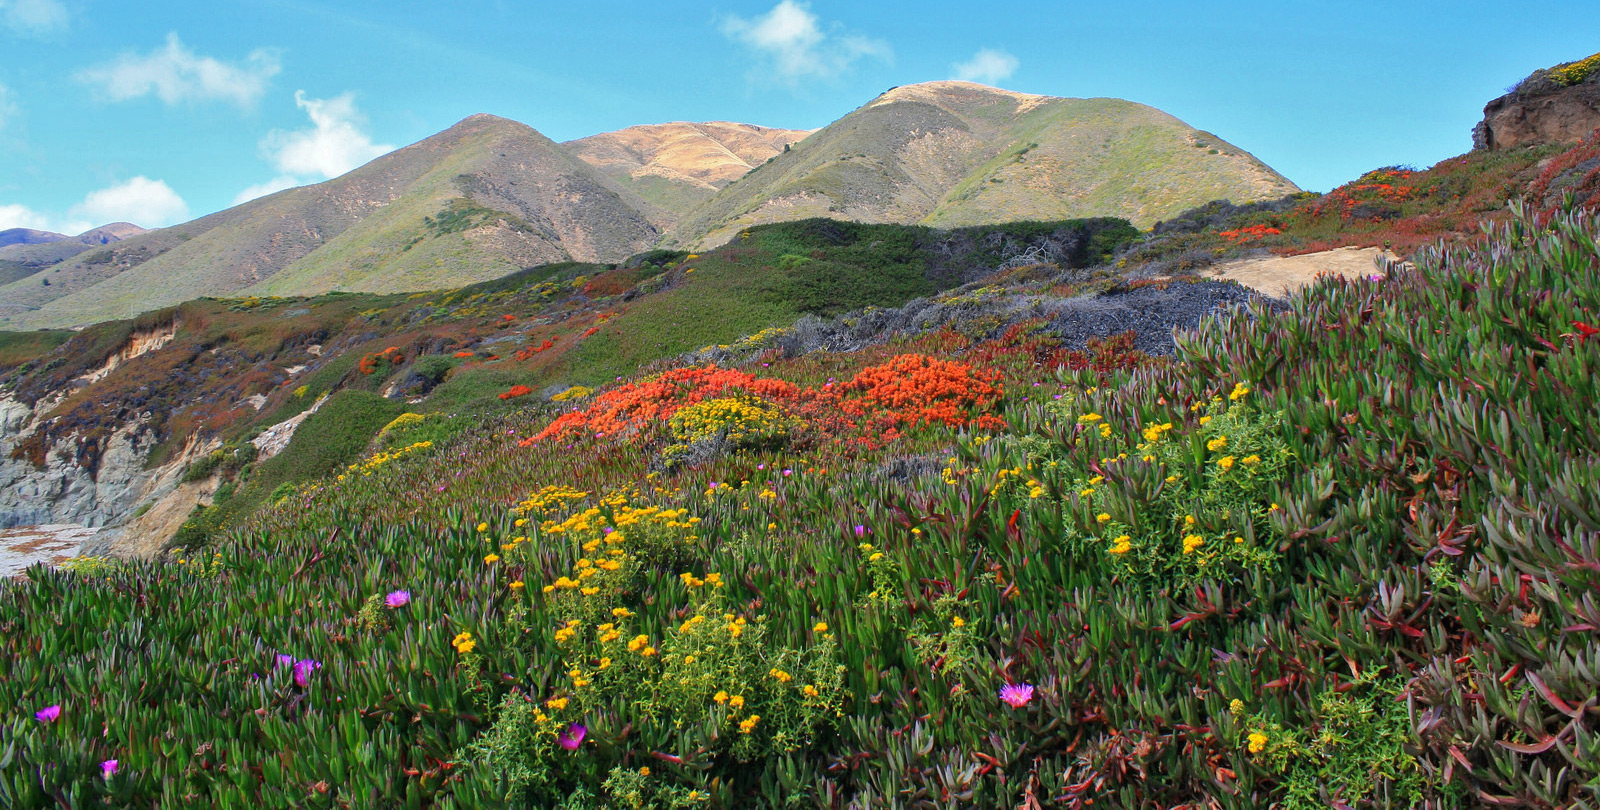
x,y
108,768
1016,695
397,599
48,714
572,737
303,670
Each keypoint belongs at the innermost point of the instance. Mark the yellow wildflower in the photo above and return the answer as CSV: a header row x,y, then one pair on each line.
x,y
958,622
1258,742
1251,460
491,559
1226,462
1236,706
720,696
1239,391
516,586
780,675
820,627
1103,517
483,527
556,703
737,701
748,724
1122,545
809,691
1192,542
1217,443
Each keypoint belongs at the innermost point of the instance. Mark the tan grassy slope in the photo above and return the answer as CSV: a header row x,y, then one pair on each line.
x,y
957,153
680,165
474,202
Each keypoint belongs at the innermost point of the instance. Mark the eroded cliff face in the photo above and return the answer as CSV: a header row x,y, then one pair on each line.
x,y
1539,111
63,490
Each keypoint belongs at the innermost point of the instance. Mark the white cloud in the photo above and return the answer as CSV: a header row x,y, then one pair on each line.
x,y
21,216
987,66
790,37
142,201
274,185
33,16
174,73
334,145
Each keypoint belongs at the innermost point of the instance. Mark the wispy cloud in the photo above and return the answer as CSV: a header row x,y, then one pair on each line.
x,y
34,17
336,143
793,45
21,216
987,66
7,107
174,74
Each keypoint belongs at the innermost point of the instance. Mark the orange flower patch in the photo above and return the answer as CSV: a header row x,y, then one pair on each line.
x,y
516,391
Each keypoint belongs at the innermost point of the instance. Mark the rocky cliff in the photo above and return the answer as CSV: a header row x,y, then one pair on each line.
x,y
1555,105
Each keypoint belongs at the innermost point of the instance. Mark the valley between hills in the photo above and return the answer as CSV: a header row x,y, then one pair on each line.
x,y
979,449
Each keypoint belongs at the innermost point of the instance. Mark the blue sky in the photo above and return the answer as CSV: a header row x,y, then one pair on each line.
x,y
158,112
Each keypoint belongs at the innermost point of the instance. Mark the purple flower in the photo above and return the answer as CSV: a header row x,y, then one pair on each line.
x,y
303,670
397,599
108,768
285,660
1016,695
861,531
573,736
48,714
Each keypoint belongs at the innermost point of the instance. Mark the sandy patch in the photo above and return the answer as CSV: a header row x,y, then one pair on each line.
x,y
52,544
1282,275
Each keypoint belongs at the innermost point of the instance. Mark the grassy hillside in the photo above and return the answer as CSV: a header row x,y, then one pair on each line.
x,y
1296,565
678,166
363,231
955,153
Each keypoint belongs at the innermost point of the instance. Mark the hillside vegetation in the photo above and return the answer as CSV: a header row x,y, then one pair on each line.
x,y
956,153
1333,554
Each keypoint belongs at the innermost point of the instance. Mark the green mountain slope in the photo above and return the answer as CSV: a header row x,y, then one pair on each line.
x,y
957,153
477,201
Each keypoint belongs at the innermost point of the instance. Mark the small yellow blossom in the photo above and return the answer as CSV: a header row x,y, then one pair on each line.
x,y
556,703
483,527
1251,460
820,627
957,621
1236,706
1192,542
1226,463
780,675
1217,443
809,691
1122,545
748,724
737,701
1258,742
720,696
1103,517
491,559
516,586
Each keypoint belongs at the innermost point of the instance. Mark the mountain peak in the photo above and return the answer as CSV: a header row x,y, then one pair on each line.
x,y
946,90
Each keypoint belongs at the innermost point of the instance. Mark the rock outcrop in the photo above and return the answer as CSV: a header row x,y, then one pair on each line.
x,y
1559,105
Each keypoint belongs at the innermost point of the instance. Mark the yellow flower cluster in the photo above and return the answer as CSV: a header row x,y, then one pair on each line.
x,y
463,642
575,392
1122,545
368,467
738,421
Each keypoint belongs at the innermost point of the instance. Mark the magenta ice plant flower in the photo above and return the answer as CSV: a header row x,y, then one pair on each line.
x,y
1016,695
573,736
108,768
303,670
48,714
397,599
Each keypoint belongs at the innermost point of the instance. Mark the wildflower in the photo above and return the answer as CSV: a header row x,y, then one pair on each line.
x,y
1258,742
1016,695
1217,443
572,737
645,771
556,703
647,652
1090,418
781,676
491,559
809,691
1251,460
397,599
1226,463
820,627
1236,706
861,531
621,613
638,642
48,714
516,586
1122,545
108,768
1192,542
483,527
957,622
720,697
1086,493
748,724
303,670
1105,431
1205,419
1239,392
1103,517
737,701
463,643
